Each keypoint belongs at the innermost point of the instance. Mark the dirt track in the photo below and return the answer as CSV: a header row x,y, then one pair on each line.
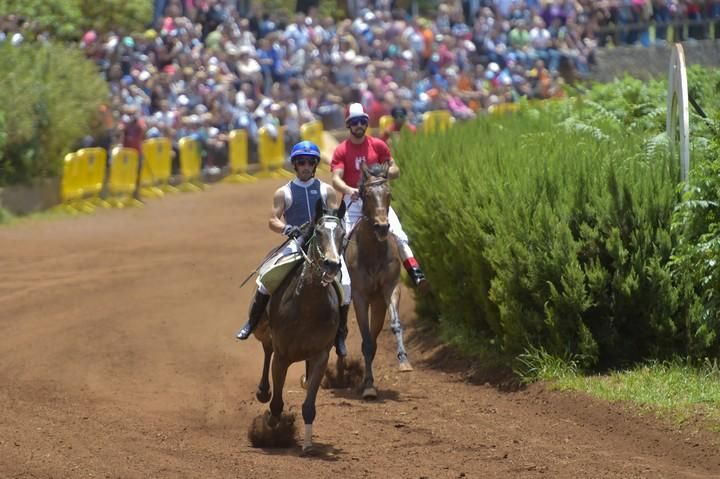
x,y
117,360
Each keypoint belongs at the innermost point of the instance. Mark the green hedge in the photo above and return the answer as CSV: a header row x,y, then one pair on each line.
x,y
552,229
48,98
68,19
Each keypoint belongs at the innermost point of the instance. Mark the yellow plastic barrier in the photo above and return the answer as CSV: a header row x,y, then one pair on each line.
x,y
190,163
71,191
93,165
157,163
70,187
313,131
386,122
123,177
436,121
272,154
503,109
238,155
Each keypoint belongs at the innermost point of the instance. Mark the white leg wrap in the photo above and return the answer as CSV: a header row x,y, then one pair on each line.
x,y
307,442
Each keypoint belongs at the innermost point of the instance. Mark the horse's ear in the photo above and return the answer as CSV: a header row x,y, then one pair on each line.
x,y
341,210
319,209
386,168
364,169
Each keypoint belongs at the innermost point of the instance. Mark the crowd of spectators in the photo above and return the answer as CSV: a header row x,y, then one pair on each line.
x,y
206,67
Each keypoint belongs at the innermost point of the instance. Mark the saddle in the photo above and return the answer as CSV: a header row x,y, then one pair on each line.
x,y
272,275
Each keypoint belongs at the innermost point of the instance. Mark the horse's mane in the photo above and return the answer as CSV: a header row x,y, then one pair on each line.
x,y
377,169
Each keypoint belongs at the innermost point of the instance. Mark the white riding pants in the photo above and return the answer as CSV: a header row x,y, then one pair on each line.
x,y
354,213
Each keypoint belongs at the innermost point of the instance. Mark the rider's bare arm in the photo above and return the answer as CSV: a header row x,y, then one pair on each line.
x,y
276,222
393,171
332,199
340,185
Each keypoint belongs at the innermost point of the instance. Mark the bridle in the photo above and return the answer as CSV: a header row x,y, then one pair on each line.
x,y
316,258
378,181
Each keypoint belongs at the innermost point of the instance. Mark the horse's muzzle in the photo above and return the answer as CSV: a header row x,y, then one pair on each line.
x,y
331,267
381,230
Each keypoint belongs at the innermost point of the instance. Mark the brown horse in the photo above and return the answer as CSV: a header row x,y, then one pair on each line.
x,y
374,267
302,318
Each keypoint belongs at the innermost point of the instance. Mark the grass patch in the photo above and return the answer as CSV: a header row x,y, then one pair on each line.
x,y
676,390
5,216
9,219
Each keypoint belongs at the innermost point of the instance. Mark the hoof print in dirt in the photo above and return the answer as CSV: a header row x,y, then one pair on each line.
x,y
265,431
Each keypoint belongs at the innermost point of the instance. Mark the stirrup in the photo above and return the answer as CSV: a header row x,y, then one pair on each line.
x,y
245,332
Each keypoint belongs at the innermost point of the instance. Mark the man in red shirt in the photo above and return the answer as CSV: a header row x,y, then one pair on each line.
x,y
345,167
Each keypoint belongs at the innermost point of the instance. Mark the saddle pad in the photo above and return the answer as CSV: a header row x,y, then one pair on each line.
x,y
272,276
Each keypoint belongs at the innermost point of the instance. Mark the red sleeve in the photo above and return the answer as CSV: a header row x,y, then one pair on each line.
x,y
338,159
382,150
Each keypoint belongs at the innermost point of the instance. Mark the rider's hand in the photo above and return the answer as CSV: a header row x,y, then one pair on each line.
x,y
292,232
354,194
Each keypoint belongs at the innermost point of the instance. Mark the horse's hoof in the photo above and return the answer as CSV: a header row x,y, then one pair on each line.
x,y
262,396
369,393
303,382
271,421
405,366
308,451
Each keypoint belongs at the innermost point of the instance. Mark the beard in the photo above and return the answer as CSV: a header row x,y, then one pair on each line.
x,y
357,132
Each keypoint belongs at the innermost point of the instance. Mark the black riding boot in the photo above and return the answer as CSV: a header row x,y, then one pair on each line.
x,y
342,331
416,275
260,302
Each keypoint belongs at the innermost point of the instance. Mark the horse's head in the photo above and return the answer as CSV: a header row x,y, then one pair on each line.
x,y
328,238
376,196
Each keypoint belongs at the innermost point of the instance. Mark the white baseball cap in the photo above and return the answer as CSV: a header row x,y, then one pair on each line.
x,y
355,110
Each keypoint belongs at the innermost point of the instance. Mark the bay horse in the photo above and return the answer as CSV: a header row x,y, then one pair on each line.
x,y
374,266
302,318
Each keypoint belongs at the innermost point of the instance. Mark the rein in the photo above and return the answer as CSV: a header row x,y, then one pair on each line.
x,y
325,279
378,181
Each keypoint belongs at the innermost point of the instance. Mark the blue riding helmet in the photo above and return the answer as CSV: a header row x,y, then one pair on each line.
x,y
305,148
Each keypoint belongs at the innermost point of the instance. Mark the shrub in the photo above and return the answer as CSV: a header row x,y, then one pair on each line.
x,y
48,97
549,229
67,19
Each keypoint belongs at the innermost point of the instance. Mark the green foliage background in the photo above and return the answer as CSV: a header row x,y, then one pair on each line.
x,y
68,19
48,97
558,229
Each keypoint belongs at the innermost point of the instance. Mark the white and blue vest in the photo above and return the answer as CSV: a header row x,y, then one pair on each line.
x,y
300,200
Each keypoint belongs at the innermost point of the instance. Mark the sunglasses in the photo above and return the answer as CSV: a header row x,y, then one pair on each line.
x,y
302,161
358,121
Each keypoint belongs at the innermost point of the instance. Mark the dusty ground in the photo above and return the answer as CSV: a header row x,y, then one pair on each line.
x,y
117,359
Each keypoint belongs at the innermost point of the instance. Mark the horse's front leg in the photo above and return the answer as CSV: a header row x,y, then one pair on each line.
x,y
316,369
368,345
280,366
263,390
393,303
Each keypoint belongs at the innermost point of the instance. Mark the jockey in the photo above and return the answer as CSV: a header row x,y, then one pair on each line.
x,y
345,167
294,206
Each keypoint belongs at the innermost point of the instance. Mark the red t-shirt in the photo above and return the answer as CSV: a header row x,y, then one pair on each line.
x,y
394,128
348,156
